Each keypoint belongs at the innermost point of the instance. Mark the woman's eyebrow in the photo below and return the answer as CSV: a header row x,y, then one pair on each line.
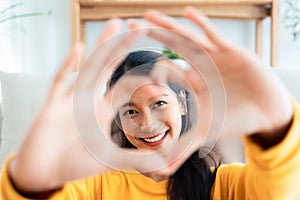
x,y
158,96
127,104
150,99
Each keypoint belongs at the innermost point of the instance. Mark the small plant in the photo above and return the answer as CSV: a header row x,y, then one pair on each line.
x,y
292,18
170,54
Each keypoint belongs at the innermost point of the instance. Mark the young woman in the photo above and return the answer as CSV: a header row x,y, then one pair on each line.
x,y
52,159
162,114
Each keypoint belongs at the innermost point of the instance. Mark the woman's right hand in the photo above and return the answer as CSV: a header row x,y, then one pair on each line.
x,y
52,152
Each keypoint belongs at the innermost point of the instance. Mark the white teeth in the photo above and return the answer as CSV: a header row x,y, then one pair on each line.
x,y
155,139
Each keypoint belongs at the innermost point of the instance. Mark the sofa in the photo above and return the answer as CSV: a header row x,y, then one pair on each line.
x,y
23,95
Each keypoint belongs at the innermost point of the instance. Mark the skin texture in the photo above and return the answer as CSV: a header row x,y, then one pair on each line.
x,y
263,106
152,110
245,98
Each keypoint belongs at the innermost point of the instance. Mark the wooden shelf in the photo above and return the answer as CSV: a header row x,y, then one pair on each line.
x,y
257,10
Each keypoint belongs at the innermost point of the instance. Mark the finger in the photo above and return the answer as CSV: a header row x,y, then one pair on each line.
x,y
113,28
106,57
159,73
186,45
73,59
70,90
165,71
187,144
161,34
122,91
96,58
174,38
183,149
188,49
133,24
204,23
202,65
126,43
170,23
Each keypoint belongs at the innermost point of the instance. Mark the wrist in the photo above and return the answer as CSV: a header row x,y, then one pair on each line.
x,y
26,179
269,138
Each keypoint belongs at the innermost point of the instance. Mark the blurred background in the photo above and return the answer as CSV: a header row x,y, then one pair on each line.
x,y
37,44
35,37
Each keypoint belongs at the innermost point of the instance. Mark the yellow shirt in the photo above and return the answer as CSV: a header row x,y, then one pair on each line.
x,y
269,174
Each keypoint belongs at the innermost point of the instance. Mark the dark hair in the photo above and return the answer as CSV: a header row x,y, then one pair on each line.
x,y
194,179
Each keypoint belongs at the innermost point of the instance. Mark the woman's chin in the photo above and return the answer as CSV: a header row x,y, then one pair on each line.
x,y
165,151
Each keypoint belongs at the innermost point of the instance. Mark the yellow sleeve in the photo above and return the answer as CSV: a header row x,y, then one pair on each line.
x,y
269,174
88,189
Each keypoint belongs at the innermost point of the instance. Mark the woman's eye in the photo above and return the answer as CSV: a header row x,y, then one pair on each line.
x,y
130,112
159,104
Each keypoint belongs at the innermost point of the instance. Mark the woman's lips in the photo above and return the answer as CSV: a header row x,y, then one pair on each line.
x,y
155,140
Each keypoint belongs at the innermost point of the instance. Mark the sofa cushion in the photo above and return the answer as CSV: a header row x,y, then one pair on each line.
x,y
22,95
291,79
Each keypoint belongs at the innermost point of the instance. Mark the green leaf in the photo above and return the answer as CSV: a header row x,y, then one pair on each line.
x,y
170,54
10,8
291,18
20,16
9,13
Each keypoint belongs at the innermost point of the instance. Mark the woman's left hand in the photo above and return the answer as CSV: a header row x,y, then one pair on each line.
x,y
235,93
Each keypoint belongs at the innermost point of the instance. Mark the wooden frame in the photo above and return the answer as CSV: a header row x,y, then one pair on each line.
x,y
257,10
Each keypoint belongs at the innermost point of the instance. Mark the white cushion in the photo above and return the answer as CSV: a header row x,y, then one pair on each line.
x,y
291,78
22,95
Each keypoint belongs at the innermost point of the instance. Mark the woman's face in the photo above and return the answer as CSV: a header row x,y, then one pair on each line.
x,y
152,117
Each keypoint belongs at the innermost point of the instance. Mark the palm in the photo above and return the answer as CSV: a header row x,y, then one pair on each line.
x,y
52,152
225,78
218,65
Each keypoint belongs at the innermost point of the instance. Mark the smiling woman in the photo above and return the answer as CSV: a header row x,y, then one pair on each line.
x,y
145,118
149,117
133,106
154,118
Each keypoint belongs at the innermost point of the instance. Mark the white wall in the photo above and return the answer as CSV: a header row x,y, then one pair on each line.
x,y
42,42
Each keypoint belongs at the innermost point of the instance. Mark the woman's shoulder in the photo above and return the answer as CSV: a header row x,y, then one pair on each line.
x,y
232,168
132,181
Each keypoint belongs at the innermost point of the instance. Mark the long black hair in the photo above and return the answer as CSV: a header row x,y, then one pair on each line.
x,y
194,179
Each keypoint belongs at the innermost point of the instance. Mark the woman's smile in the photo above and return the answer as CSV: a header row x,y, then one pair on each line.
x,y
155,140
152,118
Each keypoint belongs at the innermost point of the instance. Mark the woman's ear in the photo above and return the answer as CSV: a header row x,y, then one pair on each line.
x,y
182,102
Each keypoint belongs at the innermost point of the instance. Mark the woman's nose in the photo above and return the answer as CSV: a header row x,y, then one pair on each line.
x,y
146,122
149,123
